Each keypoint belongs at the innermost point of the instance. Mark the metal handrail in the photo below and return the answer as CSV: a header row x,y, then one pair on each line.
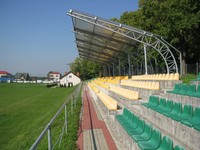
x,y
48,127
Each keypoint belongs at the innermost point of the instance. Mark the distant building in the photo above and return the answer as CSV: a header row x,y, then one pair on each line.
x,y
69,79
5,76
54,76
22,77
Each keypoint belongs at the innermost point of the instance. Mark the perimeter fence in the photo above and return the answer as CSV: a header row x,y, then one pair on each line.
x,y
59,126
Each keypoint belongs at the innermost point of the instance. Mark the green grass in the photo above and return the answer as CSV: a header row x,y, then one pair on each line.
x,y
187,78
25,110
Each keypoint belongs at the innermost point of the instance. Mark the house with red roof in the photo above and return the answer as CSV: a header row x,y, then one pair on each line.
x,y
5,76
69,79
54,76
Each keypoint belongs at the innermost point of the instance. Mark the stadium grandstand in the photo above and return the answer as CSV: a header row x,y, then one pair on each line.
x,y
140,101
143,103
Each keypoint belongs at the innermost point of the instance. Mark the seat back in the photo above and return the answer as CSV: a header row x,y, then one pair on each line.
x,y
176,76
162,102
127,113
184,89
198,89
155,138
147,131
186,113
166,144
171,76
168,106
198,77
177,87
191,89
141,125
135,121
155,101
196,115
177,108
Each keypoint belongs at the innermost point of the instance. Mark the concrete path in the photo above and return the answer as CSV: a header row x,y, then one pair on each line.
x,y
93,132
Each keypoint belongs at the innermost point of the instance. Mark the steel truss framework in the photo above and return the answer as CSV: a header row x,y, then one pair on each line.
x,y
103,40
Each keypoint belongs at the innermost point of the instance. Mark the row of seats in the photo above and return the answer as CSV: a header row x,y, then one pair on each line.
x,y
101,84
94,88
171,76
115,78
187,90
144,134
174,110
141,84
108,101
130,94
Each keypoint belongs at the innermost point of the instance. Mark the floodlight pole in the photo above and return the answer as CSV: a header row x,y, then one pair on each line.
x,y
145,58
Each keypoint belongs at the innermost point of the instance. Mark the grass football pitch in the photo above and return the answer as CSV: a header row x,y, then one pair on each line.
x,y
25,110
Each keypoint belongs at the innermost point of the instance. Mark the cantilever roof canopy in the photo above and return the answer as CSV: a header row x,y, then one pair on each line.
x,y
103,40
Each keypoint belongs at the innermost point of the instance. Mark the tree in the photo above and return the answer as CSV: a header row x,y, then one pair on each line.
x,y
87,69
178,21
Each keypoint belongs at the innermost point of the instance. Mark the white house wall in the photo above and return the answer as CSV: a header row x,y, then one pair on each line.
x,y
74,79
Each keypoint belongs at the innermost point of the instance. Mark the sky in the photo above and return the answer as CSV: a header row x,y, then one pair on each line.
x,y
36,35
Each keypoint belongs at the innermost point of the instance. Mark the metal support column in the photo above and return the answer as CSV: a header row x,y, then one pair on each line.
x,y
145,58
119,67
105,71
109,71
181,67
129,65
113,70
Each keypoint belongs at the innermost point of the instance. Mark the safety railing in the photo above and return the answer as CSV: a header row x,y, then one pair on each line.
x,y
73,99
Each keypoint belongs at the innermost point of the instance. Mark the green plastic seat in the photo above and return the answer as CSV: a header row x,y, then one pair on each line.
x,y
177,88
198,77
127,121
183,90
194,120
197,127
154,103
176,111
161,105
131,124
166,144
186,114
138,130
152,143
173,89
197,94
168,107
125,116
177,147
151,100
191,90
121,115
146,135
147,104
